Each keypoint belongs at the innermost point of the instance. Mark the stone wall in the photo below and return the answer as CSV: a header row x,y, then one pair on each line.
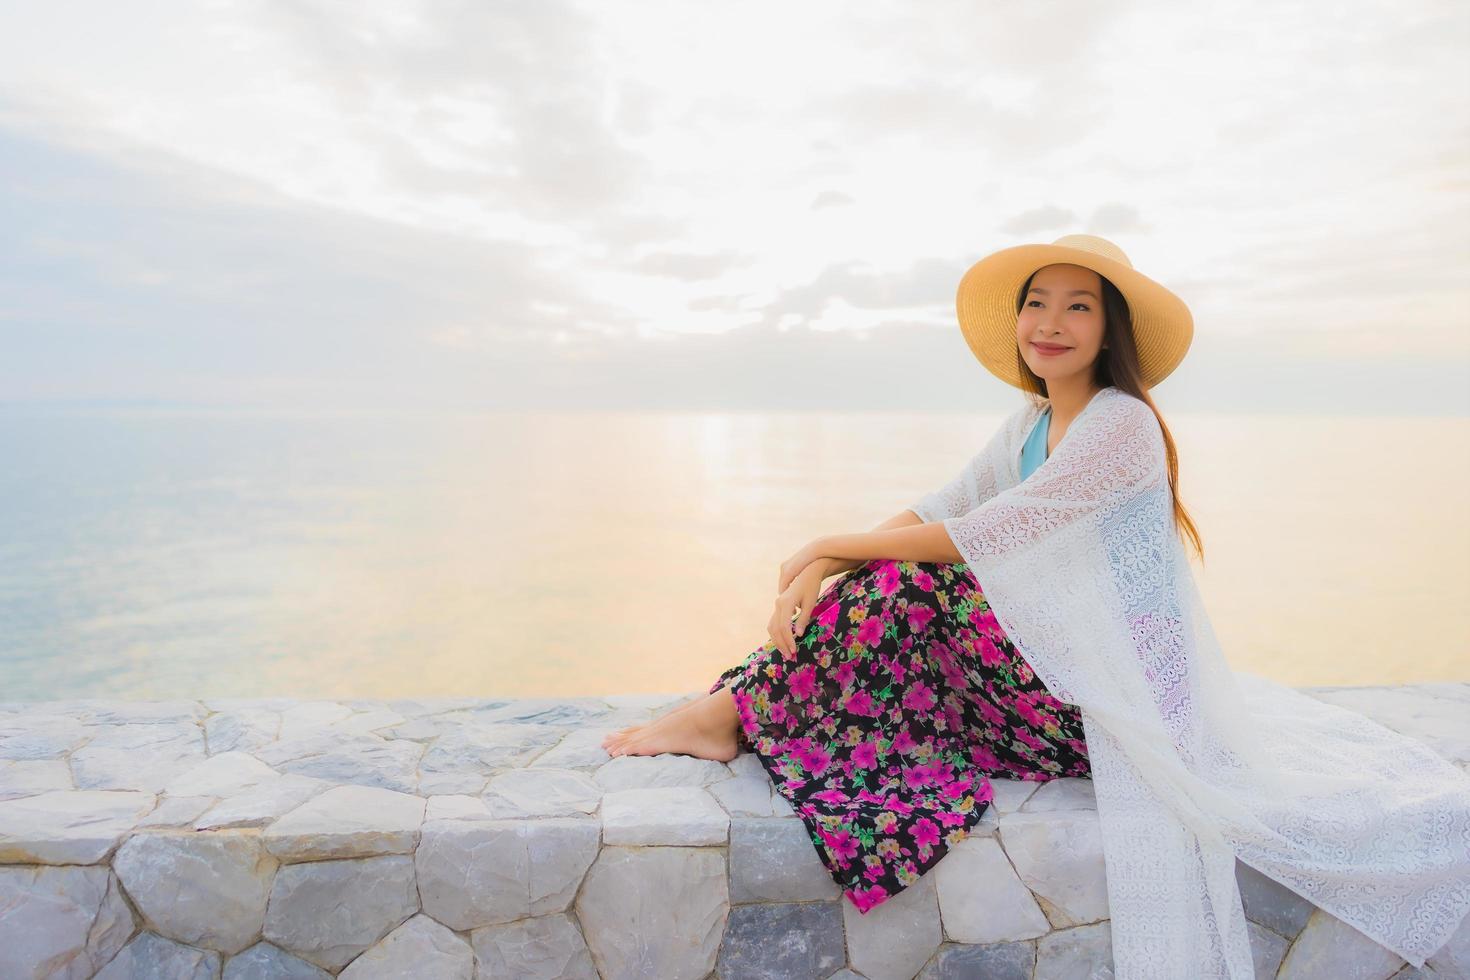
x,y
494,838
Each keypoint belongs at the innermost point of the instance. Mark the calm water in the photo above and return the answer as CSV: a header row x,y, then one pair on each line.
x,y
187,556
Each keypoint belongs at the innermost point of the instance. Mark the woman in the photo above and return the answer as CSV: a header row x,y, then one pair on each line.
x,y
1042,620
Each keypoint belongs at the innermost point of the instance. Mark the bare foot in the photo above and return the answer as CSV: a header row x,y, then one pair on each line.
x,y
700,733
612,738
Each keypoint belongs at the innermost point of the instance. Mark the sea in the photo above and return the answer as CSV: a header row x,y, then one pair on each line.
x,y
191,554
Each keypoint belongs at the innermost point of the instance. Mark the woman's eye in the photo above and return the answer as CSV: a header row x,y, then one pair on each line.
x,y
1038,303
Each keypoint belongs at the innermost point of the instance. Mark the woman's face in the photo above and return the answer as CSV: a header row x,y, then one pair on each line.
x,y
1063,309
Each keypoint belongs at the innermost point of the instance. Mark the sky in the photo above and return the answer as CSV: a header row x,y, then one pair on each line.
x,y
691,206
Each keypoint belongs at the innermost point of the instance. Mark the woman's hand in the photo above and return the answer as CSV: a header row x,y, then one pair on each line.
x,y
801,594
806,555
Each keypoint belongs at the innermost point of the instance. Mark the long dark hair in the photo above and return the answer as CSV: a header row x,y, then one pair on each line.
x,y
1117,365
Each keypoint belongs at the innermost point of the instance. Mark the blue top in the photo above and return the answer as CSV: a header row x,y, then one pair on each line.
x,y
1033,454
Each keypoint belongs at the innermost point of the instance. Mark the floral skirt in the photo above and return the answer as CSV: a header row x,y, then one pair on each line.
x,y
883,731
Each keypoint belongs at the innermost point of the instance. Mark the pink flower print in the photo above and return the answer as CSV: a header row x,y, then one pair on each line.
x,y
744,710
903,742
845,674
898,806
990,654
1023,671
803,683
885,822
778,713
871,631
1026,738
1028,713
889,579
814,759
920,615
919,696
954,676
926,832
865,755
955,788
860,702
921,775
986,792
866,898
923,580
894,667
831,796
989,711
842,845
981,619
827,618
983,757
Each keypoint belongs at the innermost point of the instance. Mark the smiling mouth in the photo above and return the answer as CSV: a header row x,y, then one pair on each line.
x,y
1049,348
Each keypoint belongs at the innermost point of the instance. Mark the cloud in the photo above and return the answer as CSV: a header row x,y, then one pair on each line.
x,y
455,204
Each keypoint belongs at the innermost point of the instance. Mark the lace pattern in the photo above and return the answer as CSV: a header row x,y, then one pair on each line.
x,y
1195,764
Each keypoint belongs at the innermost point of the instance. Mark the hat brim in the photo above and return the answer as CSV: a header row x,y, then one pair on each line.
x,y
985,303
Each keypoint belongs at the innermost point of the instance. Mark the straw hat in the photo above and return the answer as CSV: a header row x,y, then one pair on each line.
x,y
986,303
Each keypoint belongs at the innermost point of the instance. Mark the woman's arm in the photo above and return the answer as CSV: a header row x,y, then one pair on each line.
x,y
836,566
908,541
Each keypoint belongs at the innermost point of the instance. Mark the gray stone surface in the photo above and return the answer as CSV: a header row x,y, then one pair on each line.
x,y
543,947
1059,856
1079,953
480,873
1066,793
151,957
28,777
264,961
329,912
772,859
894,940
999,961
59,921
1271,903
420,947
664,815
543,792
206,890
776,941
496,838
981,899
69,826
348,821
1267,949
654,911
1329,947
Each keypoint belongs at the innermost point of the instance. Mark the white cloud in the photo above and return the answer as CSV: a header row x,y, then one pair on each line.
x,y
559,178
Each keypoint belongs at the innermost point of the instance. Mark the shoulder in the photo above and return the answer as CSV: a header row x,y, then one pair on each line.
x,y
1125,405
1129,418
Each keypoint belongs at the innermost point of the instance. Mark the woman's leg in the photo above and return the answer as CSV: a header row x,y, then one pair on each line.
x,y
622,733
709,729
